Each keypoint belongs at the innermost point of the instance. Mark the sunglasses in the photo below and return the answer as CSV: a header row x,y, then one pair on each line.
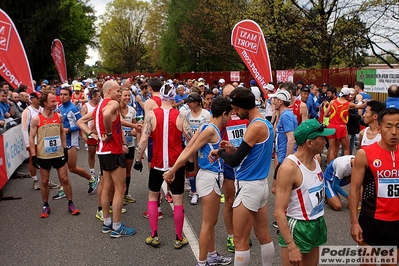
x,y
319,129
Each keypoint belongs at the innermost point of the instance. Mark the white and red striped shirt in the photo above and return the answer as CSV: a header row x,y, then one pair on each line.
x,y
307,201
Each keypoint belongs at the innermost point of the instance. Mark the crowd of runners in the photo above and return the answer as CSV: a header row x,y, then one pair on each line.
x,y
216,142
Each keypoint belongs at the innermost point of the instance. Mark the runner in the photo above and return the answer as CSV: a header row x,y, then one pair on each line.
x,y
338,174
234,133
370,134
110,150
27,115
375,169
52,151
165,125
209,179
338,113
299,205
129,128
194,118
252,161
71,115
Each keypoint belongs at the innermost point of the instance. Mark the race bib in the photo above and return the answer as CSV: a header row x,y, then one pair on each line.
x,y
388,188
316,197
128,134
235,134
52,144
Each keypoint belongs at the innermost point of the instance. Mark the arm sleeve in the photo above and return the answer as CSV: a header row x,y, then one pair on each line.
x,y
235,159
74,117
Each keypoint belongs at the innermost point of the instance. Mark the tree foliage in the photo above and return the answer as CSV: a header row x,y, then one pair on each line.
x,y
40,22
122,36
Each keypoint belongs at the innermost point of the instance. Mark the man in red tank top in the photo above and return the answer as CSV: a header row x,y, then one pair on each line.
x,y
165,125
375,169
110,150
338,111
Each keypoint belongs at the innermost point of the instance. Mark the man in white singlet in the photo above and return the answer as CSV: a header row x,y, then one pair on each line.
x,y
299,205
370,134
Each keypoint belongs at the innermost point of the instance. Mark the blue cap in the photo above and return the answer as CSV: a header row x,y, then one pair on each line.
x,y
252,83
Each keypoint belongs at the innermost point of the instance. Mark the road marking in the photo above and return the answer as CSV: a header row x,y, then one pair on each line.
x,y
187,230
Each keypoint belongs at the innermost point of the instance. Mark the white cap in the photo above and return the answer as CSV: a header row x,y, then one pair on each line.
x,y
201,80
222,81
282,95
65,85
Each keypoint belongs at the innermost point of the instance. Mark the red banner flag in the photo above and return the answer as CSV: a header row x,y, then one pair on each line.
x,y
58,55
249,42
14,64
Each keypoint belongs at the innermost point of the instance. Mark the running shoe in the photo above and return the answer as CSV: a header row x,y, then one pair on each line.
x,y
123,231
100,215
179,244
153,241
93,184
194,199
86,147
122,211
222,198
106,229
230,244
60,194
160,215
218,260
187,186
169,197
72,209
129,199
275,225
52,185
45,212
36,185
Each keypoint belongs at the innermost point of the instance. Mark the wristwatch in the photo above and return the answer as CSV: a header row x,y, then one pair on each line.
x,y
109,134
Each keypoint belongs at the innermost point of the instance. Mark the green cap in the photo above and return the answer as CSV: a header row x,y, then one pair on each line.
x,y
311,129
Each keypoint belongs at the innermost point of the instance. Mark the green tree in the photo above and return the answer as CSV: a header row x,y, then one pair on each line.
x,y
122,37
40,22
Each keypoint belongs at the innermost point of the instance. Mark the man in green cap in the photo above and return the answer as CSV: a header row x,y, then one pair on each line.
x,y
300,186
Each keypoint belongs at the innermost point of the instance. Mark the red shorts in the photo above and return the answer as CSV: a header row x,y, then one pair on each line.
x,y
340,131
91,142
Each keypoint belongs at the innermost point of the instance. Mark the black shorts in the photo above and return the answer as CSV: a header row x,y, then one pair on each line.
x,y
130,154
51,163
156,179
379,233
109,162
275,170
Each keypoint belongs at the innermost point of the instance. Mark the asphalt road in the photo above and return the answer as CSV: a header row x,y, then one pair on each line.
x,y
63,239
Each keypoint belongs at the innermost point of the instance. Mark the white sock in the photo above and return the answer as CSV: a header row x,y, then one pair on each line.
x,y
230,235
241,258
116,226
34,178
92,179
107,221
92,172
159,209
213,254
267,252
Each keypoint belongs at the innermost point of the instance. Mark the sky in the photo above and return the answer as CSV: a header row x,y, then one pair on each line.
x,y
99,7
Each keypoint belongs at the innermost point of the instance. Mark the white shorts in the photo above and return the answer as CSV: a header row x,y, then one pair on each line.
x,y
253,194
207,181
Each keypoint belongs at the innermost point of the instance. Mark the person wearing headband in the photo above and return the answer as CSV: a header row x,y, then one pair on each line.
x,y
165,125
252,160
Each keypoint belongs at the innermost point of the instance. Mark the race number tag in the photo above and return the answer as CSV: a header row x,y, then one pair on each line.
x,y
52,144
235,134
388,188
128,134
316,197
